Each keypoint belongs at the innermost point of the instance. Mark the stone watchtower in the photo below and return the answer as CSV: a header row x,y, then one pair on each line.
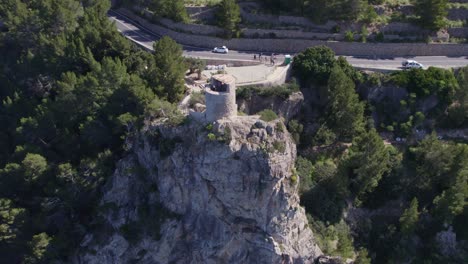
x,y
220,98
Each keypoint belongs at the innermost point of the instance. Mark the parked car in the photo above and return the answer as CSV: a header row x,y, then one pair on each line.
x,y
222,49
411,64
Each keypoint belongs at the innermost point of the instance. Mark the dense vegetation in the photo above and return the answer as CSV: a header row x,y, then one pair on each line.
x,y
228,16
173,9
72,88
430,13
404,203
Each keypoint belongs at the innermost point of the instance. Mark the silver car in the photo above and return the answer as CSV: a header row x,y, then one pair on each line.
x,y
412,64
222,49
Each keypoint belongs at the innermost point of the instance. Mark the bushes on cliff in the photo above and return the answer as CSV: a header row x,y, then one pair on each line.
x,y
314,65
433,81
281,91
369,159
319,10
457,113
72,89
173,9
267,115
345,113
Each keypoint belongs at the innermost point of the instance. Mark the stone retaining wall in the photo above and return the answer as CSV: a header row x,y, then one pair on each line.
x,y
196,29
458,32
297,45
457,14
289,34
280,20
191,28
402,28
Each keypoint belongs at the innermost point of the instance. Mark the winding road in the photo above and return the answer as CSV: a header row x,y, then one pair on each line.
x,y
144,37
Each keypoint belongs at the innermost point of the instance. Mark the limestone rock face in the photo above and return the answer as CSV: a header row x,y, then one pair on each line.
x,y
286,107
220,194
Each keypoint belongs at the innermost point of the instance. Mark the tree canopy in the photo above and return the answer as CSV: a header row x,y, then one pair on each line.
x,y
345,111
167,70
431,13
228,16
71,89
314,64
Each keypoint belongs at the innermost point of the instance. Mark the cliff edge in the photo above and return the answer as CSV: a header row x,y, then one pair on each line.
x,y
197,193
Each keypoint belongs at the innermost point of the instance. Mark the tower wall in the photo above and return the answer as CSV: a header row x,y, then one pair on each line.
x,y
221,104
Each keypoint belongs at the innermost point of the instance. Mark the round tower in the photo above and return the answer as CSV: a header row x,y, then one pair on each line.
x,y
220,97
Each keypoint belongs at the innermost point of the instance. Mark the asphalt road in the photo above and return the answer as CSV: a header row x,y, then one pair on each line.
x,y
144,37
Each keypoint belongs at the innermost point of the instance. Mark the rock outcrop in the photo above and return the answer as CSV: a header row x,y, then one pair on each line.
x,y
225,193
285,107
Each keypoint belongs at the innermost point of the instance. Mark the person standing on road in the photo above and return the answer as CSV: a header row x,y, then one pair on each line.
x,y
255,56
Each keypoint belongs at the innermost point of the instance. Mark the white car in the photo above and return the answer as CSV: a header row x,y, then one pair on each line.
x,y
411,64
222,49
405,62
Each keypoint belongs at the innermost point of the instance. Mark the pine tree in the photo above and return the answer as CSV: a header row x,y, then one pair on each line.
x,y
409,218
166,74
345,111
362,257
432,13
229,16
369,160
11,219
344,246
453,201
314,65
34,165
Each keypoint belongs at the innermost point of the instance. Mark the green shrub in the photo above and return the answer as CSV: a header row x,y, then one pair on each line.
x,y
380,37
267,115
211,137
364,33
279,146
283,91
305,169
423,83
349,36
369,15
294,176
314,65
163,109
244,92
279,127
227,137
195,98
295,128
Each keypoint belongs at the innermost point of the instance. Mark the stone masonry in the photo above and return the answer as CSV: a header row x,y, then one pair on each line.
x,y
220,98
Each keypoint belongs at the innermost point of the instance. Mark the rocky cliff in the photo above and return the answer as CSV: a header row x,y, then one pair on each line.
x,y
225,193
286,107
